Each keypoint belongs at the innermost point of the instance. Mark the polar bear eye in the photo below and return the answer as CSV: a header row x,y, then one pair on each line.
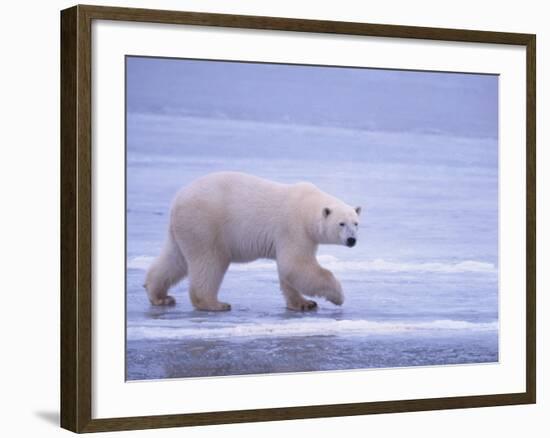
x,y
342,224
355,223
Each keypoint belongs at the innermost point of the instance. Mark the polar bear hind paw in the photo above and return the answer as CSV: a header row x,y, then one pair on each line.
x,y
216,307
222,307
168,300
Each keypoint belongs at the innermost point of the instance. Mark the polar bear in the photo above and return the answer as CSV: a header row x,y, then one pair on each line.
x,y
232,217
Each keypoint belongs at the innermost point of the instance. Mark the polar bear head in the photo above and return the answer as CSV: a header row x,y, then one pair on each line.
x,y
339,225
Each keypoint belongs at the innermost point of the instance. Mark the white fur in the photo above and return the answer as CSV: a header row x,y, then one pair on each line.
x,y
232,217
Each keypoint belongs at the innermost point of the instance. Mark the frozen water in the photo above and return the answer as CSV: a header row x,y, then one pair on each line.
x,y
419,153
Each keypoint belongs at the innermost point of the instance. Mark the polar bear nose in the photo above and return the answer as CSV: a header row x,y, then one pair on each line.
x,y
351,241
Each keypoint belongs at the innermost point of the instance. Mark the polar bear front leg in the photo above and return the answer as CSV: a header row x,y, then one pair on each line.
x,y
295,300
309,278
205,278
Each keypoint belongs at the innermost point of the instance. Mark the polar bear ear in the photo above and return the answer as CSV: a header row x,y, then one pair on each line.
x,y
326,212
358,210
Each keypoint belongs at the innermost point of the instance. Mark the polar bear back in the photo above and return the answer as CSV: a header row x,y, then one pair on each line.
x,y
243,216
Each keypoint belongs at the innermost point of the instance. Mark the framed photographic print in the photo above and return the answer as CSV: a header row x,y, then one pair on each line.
x,y
305,218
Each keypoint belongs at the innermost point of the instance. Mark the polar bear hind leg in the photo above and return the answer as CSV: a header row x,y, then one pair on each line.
x,y
205,277
168,268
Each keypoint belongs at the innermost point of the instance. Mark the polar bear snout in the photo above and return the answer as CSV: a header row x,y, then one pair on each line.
x,y
348,234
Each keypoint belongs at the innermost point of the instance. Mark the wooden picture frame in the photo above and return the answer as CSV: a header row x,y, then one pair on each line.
x,y
76,217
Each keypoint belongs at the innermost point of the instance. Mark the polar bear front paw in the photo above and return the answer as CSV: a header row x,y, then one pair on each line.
x,y
302,305
308,305
336,298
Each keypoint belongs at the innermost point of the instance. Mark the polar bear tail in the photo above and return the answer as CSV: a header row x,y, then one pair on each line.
x,y
168,269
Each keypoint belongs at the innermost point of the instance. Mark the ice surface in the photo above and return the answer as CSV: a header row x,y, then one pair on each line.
x,y
419,153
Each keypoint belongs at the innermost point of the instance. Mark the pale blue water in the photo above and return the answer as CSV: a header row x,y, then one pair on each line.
x,y
421,286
